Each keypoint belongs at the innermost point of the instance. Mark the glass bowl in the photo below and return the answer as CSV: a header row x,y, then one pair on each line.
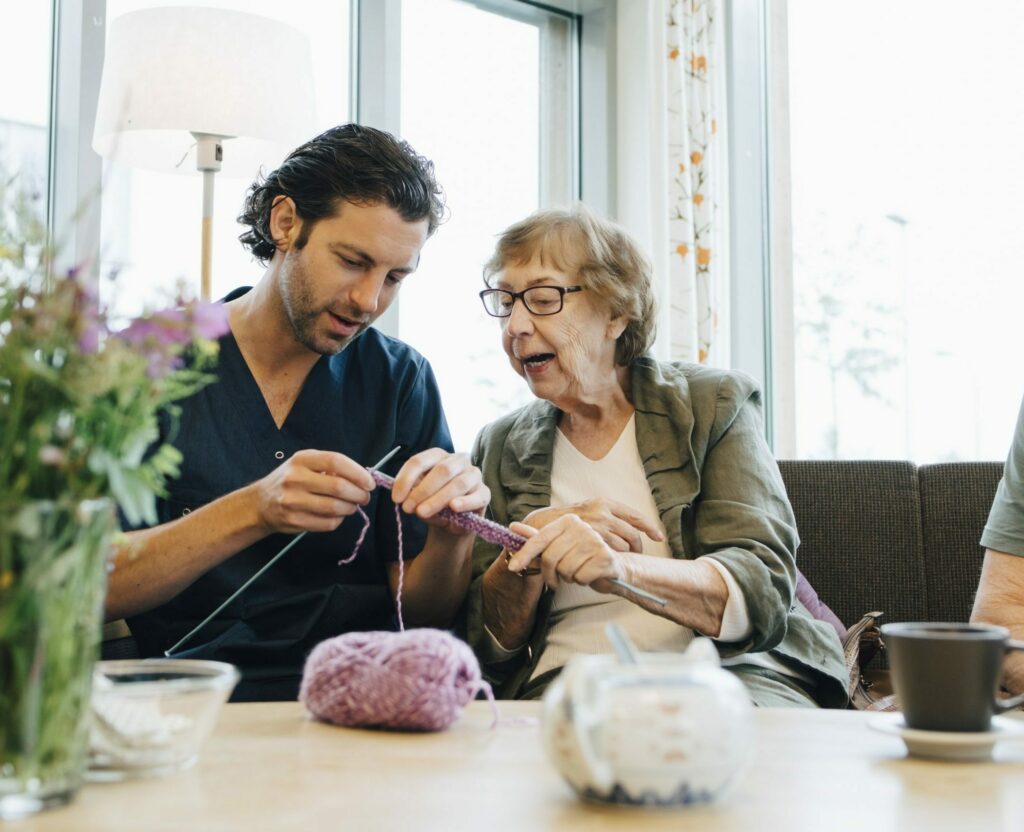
x,y
150,717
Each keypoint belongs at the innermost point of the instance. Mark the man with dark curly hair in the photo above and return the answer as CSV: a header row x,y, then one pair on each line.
x,y
307,394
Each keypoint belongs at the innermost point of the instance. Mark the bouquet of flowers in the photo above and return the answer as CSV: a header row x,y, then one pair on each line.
x,y
79,398
80,404
79,401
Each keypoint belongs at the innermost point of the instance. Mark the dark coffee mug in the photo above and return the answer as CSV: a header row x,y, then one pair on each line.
x,y
946,676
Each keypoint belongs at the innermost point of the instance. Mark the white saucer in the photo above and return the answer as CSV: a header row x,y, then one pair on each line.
x,y
949,745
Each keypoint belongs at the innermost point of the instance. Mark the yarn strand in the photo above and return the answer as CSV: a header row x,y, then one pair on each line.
x,y
401,559
360,539
401,571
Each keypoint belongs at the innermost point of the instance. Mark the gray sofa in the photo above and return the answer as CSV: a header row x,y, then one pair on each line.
x,y
892,536
887,536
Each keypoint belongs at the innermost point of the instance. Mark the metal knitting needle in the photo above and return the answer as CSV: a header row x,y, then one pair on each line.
x,y
188,636
642,593
635,590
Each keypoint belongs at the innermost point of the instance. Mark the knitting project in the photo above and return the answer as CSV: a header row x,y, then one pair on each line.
x,y
413,680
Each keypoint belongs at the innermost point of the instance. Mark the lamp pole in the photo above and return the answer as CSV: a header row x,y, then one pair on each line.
x,y
209,156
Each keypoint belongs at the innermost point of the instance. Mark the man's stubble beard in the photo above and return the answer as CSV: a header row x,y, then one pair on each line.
x,y
299,306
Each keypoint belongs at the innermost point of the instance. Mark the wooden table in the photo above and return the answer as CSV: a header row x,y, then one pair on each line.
x,y
268,767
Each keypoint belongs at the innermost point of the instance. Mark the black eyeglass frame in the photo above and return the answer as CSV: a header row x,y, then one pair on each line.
x,y
562,292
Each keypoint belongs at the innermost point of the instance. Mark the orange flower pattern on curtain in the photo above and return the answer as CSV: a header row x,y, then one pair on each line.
x,y
697,262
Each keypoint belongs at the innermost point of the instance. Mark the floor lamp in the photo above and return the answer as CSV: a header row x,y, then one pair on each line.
x,y
229,89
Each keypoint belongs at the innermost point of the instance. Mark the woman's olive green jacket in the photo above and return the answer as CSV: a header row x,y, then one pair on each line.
x,y
718,490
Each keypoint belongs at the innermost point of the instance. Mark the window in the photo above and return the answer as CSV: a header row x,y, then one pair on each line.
x,y
906,175
25,122
151,220
487,95
490,90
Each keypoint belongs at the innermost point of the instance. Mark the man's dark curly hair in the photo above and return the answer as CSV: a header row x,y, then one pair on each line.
x,y
350,163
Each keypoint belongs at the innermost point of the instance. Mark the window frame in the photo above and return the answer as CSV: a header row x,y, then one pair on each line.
x,y
75,171
760,280
589,74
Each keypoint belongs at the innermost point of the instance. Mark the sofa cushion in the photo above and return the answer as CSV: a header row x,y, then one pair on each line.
x,y
860,535
955,501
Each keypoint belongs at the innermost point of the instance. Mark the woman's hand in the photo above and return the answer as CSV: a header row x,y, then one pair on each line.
x,y
569,550
618,525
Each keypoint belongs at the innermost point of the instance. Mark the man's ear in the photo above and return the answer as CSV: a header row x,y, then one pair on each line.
x,y
285,223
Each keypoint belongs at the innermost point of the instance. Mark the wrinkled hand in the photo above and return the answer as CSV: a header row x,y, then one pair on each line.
x,y
568,550
618,525
435,479
312,491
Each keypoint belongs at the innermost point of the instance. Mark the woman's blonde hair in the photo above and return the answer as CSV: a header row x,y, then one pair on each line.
x,y
601,255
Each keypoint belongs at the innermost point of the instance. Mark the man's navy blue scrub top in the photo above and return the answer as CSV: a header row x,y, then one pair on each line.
x,y
375,394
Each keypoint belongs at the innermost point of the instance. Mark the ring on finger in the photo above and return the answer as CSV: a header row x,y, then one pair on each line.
x,y
522,573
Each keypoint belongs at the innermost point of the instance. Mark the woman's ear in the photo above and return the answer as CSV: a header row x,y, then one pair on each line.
x,y
616,326
285,223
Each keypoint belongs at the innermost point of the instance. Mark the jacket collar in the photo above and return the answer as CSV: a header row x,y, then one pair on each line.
x,y
664,436
527,457
661,397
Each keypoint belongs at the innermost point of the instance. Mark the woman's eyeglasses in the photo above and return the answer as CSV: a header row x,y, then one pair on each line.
x,y
538,300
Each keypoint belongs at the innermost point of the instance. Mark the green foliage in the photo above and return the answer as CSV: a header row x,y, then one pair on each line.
x,y
80,408
79,403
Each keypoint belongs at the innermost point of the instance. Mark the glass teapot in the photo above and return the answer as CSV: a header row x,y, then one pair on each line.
x,y
671,729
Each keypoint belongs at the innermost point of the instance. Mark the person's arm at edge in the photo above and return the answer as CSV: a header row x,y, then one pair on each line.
x,y
1000,600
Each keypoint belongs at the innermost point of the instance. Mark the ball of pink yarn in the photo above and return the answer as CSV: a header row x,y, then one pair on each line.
x,y
416,680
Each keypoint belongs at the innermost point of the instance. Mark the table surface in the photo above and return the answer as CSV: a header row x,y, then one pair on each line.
x,y
270,766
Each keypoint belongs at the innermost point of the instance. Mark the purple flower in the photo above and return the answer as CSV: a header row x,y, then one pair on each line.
x,y
209,320
89,339
163,335
89,319
161,363
166,328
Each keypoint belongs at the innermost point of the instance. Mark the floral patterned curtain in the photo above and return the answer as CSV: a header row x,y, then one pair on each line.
x,y
694,89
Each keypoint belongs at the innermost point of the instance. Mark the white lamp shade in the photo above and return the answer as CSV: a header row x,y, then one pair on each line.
x,y
174,71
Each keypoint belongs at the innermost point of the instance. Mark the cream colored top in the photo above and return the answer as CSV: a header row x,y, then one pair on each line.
x,y
578,613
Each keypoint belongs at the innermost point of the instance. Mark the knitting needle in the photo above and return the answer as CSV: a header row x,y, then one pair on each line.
x,y
188,636
643,593
496,533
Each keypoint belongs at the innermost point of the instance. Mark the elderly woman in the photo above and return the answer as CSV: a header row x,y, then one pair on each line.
x,y
656,474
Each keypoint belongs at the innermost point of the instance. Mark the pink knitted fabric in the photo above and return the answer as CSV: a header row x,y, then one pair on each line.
x,y
418,680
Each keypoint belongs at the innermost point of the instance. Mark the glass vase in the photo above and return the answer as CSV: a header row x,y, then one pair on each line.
x,y
53,559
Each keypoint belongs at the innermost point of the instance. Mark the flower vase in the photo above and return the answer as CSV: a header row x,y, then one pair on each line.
x,y
53,565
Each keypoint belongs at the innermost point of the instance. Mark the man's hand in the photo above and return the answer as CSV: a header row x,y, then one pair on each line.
x,y
435,479
618,525
312,491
